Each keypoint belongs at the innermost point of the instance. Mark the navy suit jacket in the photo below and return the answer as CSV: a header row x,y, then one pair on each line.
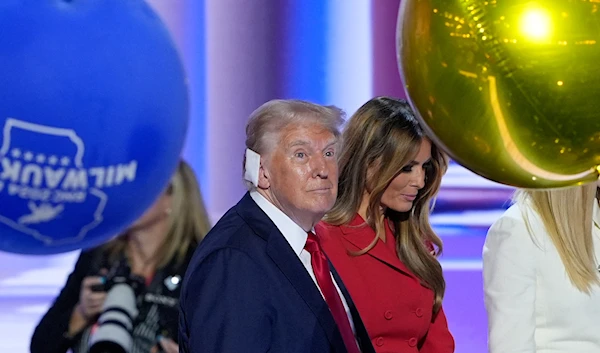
x,y
246,290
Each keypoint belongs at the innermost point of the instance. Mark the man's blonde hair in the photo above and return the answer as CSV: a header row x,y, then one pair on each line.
x,y
265,123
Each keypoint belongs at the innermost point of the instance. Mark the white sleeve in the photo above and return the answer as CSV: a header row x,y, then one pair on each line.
x,y
509,283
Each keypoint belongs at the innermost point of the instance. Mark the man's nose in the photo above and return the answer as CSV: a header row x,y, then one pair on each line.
x,y
320,167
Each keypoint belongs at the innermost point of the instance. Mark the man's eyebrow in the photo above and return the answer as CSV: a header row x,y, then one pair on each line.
x,y
332,142
298,143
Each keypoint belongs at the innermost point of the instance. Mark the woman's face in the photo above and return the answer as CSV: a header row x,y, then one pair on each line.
x,y
402,191
159,210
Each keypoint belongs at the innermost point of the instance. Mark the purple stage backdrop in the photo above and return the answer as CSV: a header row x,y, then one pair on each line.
x,y
241,53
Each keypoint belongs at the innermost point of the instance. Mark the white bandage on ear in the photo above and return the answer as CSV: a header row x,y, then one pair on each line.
x,y
252,166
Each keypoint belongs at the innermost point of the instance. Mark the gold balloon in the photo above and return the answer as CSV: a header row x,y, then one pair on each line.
x,y
510,89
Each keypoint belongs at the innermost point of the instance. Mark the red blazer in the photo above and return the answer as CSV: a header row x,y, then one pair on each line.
x,y
395,308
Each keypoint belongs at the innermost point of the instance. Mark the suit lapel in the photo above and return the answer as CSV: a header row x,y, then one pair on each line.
x,y
360,235
284,257
362,336
289,264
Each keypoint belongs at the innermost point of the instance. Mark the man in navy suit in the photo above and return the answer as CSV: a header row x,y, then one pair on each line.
x,y
259,282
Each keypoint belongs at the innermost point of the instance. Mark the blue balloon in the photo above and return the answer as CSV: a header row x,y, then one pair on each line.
x,y
93,116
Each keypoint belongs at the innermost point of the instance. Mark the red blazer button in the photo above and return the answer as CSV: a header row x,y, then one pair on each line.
x,y
412,342
388,315
379,341
419,312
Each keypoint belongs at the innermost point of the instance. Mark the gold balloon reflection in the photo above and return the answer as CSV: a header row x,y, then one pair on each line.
x,y
507,88
512,149
536,24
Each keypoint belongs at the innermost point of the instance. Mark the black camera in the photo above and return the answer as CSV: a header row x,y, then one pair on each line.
x,y
119,311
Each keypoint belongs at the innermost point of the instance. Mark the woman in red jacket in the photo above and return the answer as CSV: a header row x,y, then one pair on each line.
x,y
378,234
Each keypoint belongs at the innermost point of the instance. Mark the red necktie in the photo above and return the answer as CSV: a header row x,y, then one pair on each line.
x,y
332,298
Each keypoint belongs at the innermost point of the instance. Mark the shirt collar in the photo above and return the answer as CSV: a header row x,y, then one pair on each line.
x,y
292,232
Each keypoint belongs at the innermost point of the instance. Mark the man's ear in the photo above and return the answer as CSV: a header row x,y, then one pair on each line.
x,y
263,177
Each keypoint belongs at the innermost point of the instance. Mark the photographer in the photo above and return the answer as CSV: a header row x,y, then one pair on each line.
x,y
123,296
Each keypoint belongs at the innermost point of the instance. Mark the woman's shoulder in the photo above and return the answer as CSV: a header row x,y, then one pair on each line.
x,y
519,223
515,211
519,213
326,227
355,222
94,255
327,231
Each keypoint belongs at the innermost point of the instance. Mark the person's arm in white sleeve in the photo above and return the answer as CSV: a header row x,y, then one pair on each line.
x,y
509,282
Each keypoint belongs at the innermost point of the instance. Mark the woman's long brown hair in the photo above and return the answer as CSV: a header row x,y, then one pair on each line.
x,y
380,139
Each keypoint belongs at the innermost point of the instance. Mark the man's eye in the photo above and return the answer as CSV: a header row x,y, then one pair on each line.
x,y
300,154
329,154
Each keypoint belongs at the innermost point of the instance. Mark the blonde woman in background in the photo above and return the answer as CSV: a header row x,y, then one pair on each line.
x,y
540,270
156,250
